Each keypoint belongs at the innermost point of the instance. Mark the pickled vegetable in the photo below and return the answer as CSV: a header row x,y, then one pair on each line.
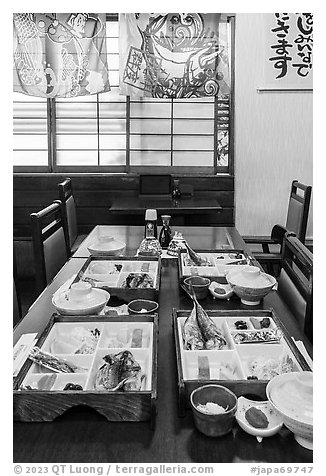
x,y
256,418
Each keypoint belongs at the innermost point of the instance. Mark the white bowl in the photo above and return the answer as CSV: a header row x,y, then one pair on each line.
x,y
81,299
108,246
250,284
291,395
273,417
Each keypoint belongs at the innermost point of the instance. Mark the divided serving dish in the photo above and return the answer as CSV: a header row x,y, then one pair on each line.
x,y
245,368
216,263
126,278
39,393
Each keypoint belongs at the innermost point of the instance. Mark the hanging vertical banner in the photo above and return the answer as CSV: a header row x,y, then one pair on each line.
x,y
174,55
60,54
289,50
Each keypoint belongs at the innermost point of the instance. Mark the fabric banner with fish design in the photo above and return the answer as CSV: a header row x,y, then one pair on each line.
x,y
60,54
174,55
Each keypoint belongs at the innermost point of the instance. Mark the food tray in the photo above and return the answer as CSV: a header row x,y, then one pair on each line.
x,y
137,334
232,365
218,262
113,274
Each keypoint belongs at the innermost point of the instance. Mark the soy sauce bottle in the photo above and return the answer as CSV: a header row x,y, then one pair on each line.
x,y
166,233
151,224
176,193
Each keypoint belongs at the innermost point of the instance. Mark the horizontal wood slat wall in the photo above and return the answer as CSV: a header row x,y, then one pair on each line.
x,y
94,194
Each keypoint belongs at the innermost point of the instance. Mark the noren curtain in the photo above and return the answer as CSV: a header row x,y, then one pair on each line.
x,y
60,54
174,55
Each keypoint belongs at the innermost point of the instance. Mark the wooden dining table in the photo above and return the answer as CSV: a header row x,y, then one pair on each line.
x,y
137,204
82,435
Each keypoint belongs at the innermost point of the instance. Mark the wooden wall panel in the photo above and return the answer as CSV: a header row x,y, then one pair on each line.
x,y
94,194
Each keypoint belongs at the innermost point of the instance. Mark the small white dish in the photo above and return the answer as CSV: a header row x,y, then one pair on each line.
x,y
275,421
106,246
81,299
220,291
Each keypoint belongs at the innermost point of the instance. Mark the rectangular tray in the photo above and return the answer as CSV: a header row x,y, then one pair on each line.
x,y
214,272
186,359
134,262
46,405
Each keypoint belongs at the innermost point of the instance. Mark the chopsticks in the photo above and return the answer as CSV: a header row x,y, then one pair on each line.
x,y
303,352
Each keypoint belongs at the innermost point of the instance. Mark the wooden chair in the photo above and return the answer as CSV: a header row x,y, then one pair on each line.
x,y
50,243
70,215
296,222
17,310
295,283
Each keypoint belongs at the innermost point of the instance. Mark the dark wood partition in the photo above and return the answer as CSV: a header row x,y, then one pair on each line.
x,y
94,194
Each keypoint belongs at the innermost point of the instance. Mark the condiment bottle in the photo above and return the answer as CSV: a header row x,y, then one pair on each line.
x,y
176,193
151,223
166,233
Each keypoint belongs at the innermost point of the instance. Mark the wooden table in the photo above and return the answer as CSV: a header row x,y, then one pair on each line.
x,y
82,435
205,238
187,205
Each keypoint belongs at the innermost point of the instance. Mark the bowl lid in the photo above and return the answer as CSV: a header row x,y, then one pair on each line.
x,y
292,395
250,277
69,301
106,244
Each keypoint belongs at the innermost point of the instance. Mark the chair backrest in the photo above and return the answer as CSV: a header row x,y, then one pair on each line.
x,y
17,313
17,310
69,210
298,210
295,283
50,243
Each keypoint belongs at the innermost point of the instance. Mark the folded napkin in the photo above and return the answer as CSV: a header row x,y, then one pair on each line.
x,y
21,351
65,286
300,345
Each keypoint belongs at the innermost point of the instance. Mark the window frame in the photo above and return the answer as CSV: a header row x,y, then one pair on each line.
x,y
213,170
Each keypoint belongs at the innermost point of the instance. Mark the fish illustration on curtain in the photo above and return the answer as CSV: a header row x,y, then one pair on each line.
x,y
174,55
60,54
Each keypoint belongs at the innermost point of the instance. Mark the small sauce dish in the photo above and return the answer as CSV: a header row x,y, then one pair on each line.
x,y
275,421
220,291
142,306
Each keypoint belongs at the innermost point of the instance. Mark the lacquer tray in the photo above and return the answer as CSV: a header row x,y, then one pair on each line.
x,y
135,333
232,365
111,273
218,263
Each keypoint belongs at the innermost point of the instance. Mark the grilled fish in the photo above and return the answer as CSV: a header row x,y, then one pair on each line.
x,y
212,335
120,371
193,338
129,366
131,372
209,334
132,384
138,281
108,376
195,257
